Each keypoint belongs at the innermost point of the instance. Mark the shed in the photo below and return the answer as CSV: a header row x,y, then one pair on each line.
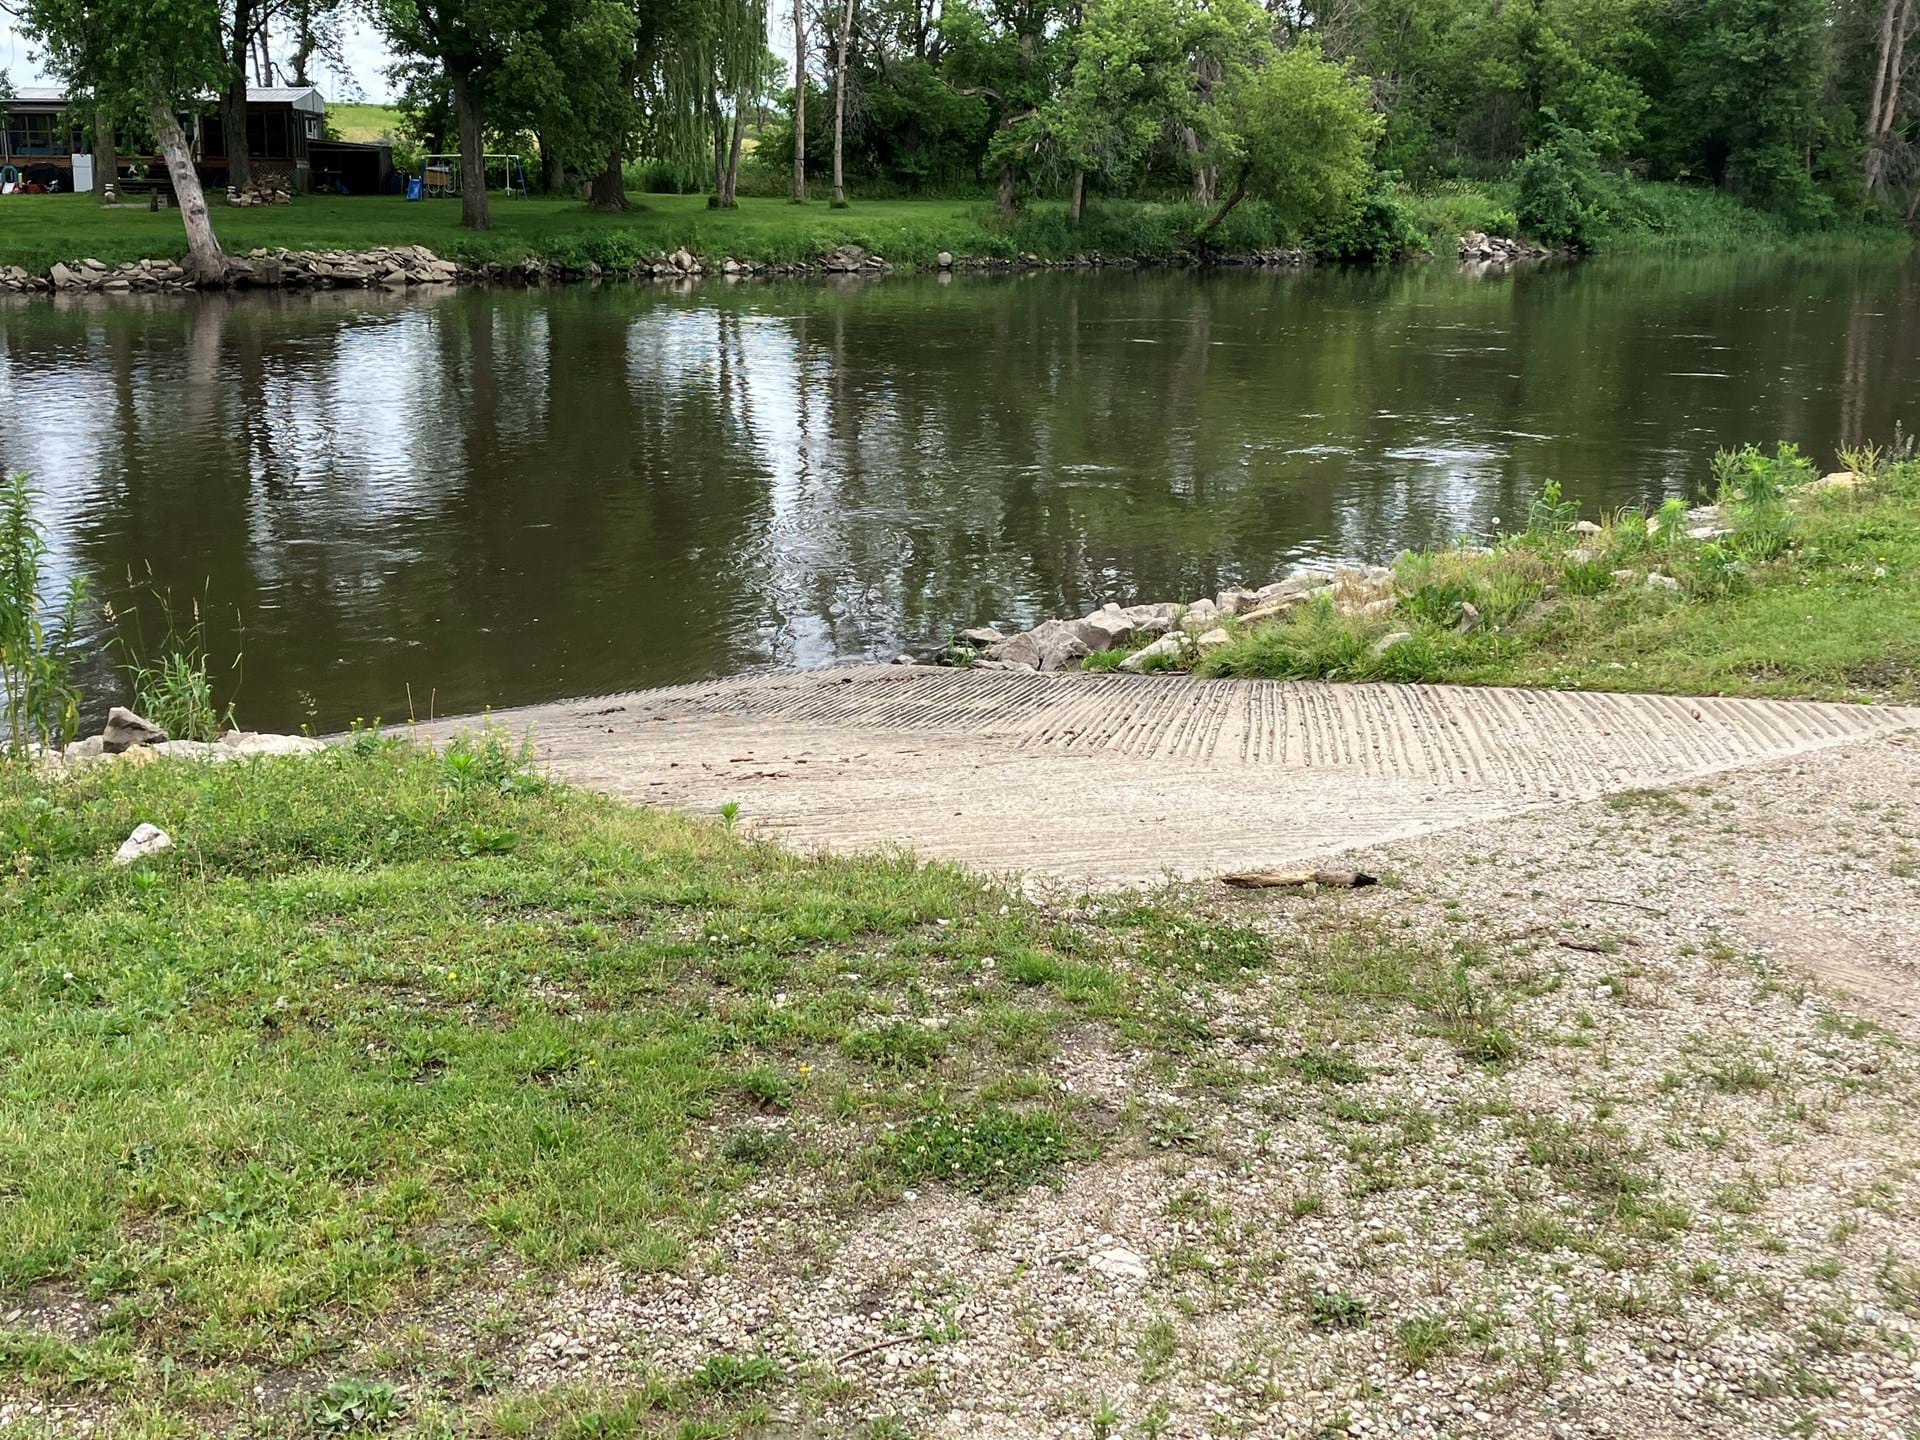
x,y
282,123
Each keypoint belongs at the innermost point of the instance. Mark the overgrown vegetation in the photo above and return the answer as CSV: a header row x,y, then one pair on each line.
x,y
1791,587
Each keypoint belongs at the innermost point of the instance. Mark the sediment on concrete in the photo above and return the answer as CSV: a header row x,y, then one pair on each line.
x,y
1100,780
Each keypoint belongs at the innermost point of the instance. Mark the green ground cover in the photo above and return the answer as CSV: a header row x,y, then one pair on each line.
x,y
362,122
1814,591
385,1032
37,231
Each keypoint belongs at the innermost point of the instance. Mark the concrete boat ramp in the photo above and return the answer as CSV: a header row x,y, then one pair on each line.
x,y
1105,780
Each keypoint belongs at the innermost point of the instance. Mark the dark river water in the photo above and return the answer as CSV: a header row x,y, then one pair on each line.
x,y
497,498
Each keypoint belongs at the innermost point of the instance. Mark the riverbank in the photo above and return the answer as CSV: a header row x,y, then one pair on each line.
x,y
1791,585
419,1094
36,232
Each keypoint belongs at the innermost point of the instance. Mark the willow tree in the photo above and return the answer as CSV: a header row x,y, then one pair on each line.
x,y
156,58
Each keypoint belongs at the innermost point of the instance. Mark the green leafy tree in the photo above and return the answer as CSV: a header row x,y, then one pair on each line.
x,y
156,58
1301,138
471,42
1738,88
1143,70
1010,54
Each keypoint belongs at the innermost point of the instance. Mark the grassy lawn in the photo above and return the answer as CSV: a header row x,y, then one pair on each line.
x,y
1815,595
363,122
43,229
385,1034
37,231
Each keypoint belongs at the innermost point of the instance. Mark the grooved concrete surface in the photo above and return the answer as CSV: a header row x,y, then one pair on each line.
x,y
1111,779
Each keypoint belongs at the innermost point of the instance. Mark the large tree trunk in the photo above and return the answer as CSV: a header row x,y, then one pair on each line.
x,y
717,123
730,182
1239,194
473,165
1077,197
233,101
106,163
552,171
799,105
1883,52
206,264
610,185
1203,175
1003,189
840,106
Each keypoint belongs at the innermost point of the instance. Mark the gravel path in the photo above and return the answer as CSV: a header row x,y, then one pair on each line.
x,y
1648,1171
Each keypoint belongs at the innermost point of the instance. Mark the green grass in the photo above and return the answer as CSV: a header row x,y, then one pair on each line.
x,y
69,227
384,1032
41,230
362,122
1835,615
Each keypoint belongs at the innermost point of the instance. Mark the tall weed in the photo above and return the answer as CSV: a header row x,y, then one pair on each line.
x,y
38,641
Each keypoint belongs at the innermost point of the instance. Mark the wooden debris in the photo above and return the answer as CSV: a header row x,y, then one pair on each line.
x,y
1275,879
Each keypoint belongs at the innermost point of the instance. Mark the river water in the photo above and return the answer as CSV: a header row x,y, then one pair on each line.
x,y
491,498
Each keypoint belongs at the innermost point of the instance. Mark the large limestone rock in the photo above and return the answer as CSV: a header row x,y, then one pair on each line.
x,y
1052,645
250,742
124,730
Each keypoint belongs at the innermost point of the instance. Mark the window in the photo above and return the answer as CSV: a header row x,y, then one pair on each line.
x,y
267,134
33,133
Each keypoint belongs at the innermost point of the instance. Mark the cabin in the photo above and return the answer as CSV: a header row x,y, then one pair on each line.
x,y
286,145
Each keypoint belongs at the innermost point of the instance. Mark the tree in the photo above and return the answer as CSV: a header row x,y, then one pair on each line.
x,y
471,42
233,93
1737,98
1301,135
1009,53
1897,20
840,105
1145,69
799,104
158,58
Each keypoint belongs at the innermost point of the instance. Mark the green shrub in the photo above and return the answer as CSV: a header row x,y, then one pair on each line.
x,y
1380,228
1561,189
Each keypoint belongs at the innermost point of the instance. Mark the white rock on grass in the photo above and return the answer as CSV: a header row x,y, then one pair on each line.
x,y
146,839
1170,645
250,742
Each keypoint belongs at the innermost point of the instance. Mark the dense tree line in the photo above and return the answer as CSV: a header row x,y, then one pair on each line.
x,y
1803,106
1806,107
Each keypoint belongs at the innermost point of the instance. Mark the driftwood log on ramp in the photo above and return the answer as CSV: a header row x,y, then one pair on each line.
x,y
1276,879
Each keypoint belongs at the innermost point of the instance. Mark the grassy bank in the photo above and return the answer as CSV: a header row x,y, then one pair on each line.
x,y
1794,588
37,231
385,1037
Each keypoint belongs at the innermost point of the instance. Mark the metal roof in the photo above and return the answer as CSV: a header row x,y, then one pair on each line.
x,y
300,97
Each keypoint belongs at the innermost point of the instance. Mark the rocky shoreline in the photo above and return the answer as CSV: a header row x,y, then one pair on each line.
x,y
401,267
1175,634
130,737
